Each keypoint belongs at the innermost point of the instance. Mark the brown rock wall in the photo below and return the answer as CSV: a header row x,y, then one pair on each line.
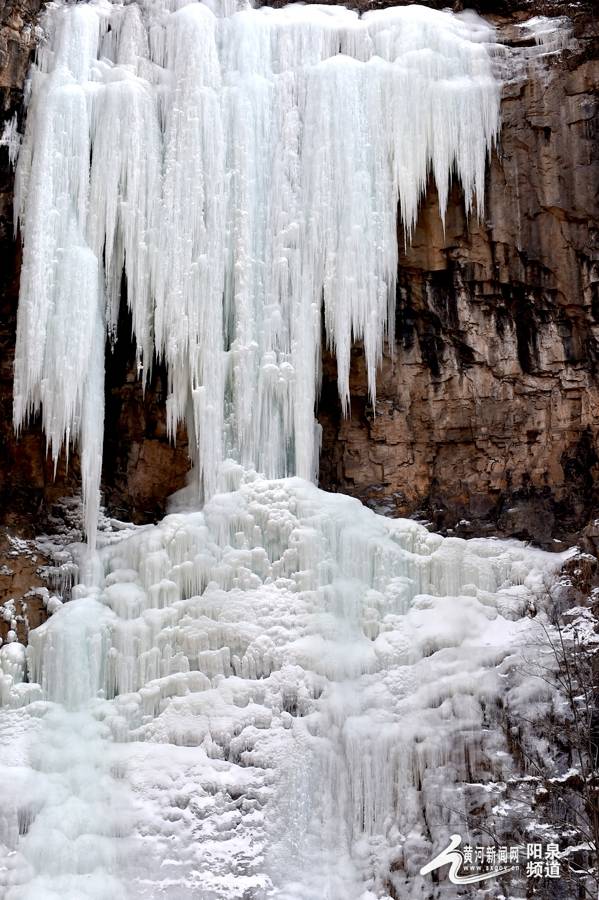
x,y
488,410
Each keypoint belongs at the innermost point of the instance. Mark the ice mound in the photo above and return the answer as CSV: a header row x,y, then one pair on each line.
x,y
281,695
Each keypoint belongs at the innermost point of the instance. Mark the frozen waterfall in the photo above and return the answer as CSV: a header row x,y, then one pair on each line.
x,y
244,172
277,693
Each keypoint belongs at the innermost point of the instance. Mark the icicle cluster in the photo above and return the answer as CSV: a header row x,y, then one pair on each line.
x,y
241,174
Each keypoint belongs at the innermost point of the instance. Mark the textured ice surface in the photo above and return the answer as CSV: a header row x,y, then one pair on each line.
x,y
551,34
241,175
281,695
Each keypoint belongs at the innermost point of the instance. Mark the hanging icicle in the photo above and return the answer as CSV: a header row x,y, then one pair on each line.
x,y
244,172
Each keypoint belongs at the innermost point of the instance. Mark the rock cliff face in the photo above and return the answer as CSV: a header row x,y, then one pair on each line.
x,y
488,410
488,406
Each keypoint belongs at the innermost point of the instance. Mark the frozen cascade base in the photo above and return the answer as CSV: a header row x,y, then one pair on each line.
x,y
282,695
